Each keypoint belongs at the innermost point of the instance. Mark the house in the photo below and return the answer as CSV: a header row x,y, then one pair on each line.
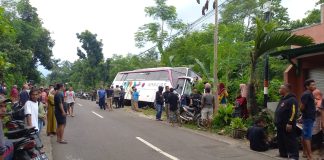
x,y
306,62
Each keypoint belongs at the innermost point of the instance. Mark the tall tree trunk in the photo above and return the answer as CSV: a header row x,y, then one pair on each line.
x,y
252,105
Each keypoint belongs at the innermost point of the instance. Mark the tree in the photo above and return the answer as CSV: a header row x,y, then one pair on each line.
x,y
267,39
157,32
244,12
320,2
32,36
93,55
313,17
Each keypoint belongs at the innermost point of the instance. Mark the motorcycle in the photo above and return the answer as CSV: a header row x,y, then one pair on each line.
x,y
190,114
24,139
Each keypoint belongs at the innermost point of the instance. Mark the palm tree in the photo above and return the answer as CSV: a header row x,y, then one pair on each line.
x,y
267,39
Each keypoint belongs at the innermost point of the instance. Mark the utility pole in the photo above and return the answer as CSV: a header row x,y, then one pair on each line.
x,y
215,84
267,9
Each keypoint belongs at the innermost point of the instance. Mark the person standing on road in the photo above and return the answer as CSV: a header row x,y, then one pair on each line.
x,y
70,100
31,109
41,114
24,95
317,137
166,94
60,113
116,96
207,105
130,92
173,101
195,99
285,121
135,99
159,103
121,97
51,120
102,97
308,110
110,94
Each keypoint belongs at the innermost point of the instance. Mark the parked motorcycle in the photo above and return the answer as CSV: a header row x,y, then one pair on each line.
x,y
190,114
24,139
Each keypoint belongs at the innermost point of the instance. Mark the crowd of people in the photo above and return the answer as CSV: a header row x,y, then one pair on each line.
x,y
309,126
37,106
109,98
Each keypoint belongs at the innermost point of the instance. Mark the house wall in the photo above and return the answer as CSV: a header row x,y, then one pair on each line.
x,y
316,31
307,63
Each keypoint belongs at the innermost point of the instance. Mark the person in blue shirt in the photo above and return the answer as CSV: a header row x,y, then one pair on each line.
x,y
135,99
102,97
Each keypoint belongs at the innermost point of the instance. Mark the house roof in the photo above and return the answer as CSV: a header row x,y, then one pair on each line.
x,y
296,52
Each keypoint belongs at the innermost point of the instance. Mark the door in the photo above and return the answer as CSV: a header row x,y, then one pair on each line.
x,y
317,74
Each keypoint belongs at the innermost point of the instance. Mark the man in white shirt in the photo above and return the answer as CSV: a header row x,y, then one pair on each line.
x,y
31,109
70,100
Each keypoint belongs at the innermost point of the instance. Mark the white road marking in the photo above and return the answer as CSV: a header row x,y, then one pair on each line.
x,y
97,114
157,149
79,104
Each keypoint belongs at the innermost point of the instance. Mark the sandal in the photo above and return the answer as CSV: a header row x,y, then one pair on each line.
x,y
63,142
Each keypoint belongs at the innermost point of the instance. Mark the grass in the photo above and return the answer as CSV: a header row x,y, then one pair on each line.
x,y
152,112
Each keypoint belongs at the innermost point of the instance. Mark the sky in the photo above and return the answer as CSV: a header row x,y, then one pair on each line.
x,y
116,21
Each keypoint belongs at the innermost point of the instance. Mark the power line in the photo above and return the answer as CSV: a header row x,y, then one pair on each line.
x,y
190,26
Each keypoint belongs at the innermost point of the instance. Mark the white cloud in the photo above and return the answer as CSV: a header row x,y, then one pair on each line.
x,y
115,22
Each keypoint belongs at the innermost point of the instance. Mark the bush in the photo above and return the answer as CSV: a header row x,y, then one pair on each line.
x,y
223,117
237,123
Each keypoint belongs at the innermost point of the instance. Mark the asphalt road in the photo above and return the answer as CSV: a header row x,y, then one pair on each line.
x,y
94,134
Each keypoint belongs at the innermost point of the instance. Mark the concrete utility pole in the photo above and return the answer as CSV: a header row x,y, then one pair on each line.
x,y
215,84
267,11
215,54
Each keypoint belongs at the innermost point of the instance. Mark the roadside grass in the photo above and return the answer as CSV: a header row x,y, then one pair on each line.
x,y
151,112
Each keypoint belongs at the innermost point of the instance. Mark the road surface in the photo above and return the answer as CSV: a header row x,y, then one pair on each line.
x,y
94,134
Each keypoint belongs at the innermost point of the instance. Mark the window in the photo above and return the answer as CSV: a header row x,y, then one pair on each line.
x,y
158,75
180,86
119,77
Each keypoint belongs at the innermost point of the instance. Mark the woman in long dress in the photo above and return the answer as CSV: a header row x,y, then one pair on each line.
x,y
51,121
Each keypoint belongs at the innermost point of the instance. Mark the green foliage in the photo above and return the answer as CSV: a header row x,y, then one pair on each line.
x,y
267,39
313,17
248,122
228,130
24,42
223,117
238,11
237,123
319,2
156,32
273,92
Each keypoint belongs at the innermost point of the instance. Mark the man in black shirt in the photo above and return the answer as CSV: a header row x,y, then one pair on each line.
x,y
110,95
285,121
308,116
257,137
60,113
159,103
173,100
166,94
